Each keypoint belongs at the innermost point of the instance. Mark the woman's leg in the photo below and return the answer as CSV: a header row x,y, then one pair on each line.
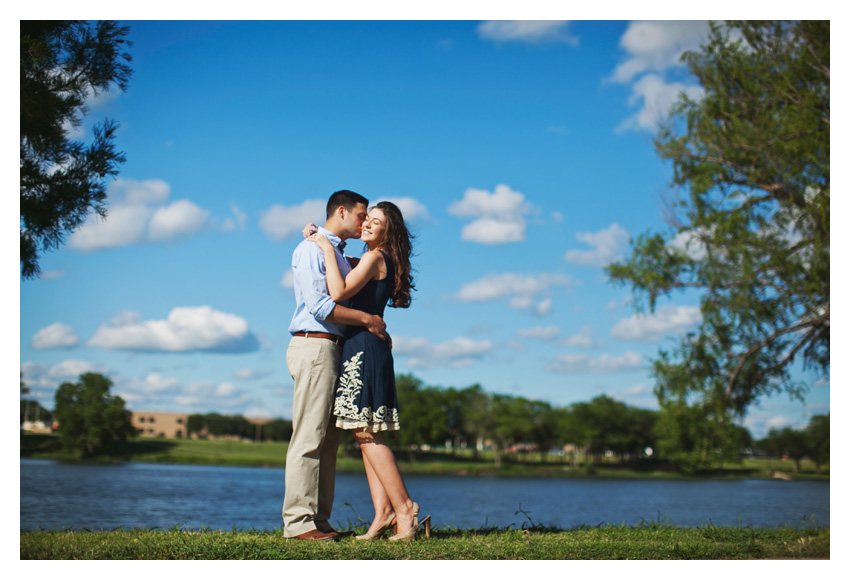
x,y
380,458
380,499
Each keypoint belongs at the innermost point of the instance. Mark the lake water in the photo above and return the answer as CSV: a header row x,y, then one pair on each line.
x,y
69,496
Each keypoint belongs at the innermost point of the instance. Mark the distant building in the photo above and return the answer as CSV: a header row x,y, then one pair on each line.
x,y
156,424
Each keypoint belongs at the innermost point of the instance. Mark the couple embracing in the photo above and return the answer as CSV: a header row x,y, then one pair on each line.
x,y
342,365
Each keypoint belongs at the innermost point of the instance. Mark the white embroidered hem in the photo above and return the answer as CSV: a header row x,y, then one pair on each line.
x,y
343,423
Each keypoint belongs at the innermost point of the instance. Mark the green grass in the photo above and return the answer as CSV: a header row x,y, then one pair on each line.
x,y
645,542
270,454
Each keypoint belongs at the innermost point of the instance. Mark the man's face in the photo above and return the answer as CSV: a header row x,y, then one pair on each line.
x,y
352,223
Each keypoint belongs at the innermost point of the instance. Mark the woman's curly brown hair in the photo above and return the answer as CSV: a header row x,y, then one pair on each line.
x,y
397,243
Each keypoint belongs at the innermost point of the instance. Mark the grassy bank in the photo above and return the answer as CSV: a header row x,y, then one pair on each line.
x,y
270,454
650,542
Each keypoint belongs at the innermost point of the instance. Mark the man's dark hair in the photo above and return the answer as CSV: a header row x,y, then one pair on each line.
x,y
345,198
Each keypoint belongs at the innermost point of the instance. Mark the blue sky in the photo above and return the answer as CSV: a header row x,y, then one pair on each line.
x,y
520,152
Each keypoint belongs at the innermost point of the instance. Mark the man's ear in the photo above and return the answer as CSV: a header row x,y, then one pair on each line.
x,y
340,212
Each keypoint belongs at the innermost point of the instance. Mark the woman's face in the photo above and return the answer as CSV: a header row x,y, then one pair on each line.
x,y
375,227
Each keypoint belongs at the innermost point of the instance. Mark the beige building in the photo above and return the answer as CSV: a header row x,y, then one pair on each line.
x,y
156,424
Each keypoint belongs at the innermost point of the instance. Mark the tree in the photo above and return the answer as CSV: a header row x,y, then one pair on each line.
x,y
787,442
751,232
91,421
817,433
63,64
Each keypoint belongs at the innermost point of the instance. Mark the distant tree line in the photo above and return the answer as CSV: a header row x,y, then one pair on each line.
x,y
812,441
93,422
216,425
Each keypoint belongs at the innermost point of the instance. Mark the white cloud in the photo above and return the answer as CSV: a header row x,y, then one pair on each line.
x,y
657,46
280,222
154,383
499,215
125,225
688,241
411,209
185,330
288,280
664,321
527,31
181,218
523,291
658,97
45,376
456,353
605,363
653,51
136,214
539,332
608,245
57,335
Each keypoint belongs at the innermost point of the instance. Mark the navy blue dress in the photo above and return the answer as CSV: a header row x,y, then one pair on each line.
x,y
366,395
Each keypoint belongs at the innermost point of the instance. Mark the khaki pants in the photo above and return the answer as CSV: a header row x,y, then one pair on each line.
x,y
314,364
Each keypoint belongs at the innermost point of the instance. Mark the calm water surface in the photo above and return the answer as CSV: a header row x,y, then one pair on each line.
x,y
67,496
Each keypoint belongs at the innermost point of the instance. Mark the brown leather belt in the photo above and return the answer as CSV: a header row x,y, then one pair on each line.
x,y
331,337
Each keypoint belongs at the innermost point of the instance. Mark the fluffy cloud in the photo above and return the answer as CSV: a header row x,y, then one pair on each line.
x,y
456,353
181,218
411,209
605,363
137,214
524,291
653,327
652,52
527,31
657,46
44,376
280,222
185,330
57,335
608,245
499,215
657,97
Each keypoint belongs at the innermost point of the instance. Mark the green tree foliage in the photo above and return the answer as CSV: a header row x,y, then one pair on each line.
x,y
277,430
216,425
32,410
796,444
751,229
604,424
63,64
817,433
91,421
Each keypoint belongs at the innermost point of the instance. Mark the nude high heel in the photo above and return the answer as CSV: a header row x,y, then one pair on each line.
x,y
411,533
379,532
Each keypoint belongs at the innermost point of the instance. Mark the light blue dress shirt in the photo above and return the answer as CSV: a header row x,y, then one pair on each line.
x,y
313,303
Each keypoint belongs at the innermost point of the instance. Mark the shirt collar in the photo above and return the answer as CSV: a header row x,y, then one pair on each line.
x,y
333,238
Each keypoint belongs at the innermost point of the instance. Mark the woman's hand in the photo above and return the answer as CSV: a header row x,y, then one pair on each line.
x,y
309,229
322,241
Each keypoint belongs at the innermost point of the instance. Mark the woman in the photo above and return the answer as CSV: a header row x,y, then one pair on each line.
x,y
366,400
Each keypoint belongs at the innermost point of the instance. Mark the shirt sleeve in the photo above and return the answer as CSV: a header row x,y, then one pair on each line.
x,y
308,267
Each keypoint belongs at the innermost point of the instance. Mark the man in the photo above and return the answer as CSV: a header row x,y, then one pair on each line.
x,y
314,358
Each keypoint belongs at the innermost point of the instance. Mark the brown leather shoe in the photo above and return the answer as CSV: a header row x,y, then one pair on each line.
x,y
318,536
